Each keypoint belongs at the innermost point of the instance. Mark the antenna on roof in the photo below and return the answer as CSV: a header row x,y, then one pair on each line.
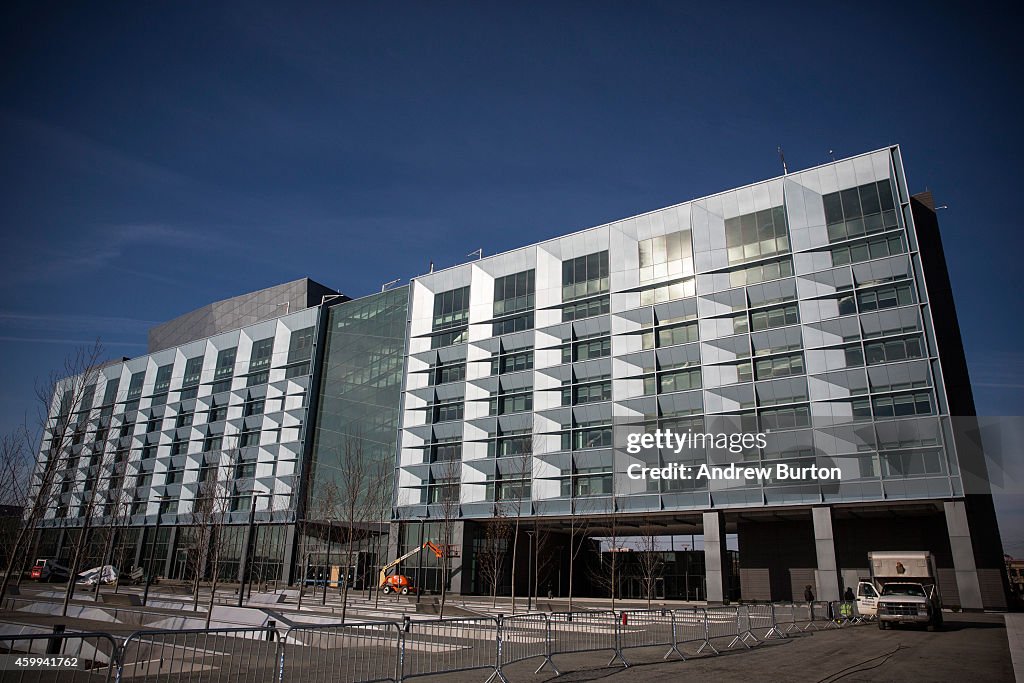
x,y
389,284
431,265
832,154
479,253
782,157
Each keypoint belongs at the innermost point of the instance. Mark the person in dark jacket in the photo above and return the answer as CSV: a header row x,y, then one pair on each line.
x,y
848,595
808,593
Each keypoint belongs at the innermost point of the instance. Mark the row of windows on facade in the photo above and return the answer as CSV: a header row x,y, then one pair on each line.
x,y
859,211
299,354
853,252
253,406
774,317
599,481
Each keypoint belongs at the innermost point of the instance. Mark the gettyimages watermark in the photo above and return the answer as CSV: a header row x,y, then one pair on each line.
x,y
676,442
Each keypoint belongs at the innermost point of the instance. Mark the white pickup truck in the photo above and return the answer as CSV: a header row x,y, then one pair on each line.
x,y
902,589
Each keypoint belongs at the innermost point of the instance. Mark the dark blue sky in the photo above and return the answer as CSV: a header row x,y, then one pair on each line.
x,y
158,156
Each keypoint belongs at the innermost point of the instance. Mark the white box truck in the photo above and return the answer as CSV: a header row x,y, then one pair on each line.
x,y
901,590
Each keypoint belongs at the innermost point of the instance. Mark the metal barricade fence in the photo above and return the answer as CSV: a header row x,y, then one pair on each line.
x,y
207,655
585,632
448,645
785,617
723,622
648,628
844,613
803,616
691,626
69,658
525,636
346,653
821,612
761,622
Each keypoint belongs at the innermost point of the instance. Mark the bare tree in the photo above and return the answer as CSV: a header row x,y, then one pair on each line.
x,y
522,464
450,504
491,557
606,573
210,515
649,561
116,518
382,488
15,470
89,543
354,504
59,402
579,527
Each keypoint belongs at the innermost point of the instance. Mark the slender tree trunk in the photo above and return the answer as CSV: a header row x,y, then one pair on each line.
x,y
515,552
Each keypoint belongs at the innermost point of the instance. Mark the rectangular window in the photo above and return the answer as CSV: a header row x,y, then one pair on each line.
x,y
185,419
163,379
780,366
860,211
174,476
262,353
193,372
213,442
225,364
300,348
585,309
451,308
513,293
446,373
585,276
250,437
666,256
894,350
254,406
786,418
885,297
679,380
762,272
518,323
755,235
438,341
445,451
447,412
135,385
904,405
678,334
512,362
590,393
217,413
778,316
670,292
518,402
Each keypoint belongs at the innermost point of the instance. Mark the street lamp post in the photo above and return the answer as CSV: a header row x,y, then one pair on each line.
x,y
248,545
152,550
529,573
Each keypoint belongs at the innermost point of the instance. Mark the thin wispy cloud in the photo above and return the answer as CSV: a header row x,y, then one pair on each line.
x,y
998,369
71,342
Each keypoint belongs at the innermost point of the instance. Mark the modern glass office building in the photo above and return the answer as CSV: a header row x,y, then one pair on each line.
x,y
814,308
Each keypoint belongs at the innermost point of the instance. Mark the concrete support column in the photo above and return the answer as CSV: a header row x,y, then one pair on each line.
x,y
172,539
455,563
139,541
714,557
291,540
827,573
963,555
